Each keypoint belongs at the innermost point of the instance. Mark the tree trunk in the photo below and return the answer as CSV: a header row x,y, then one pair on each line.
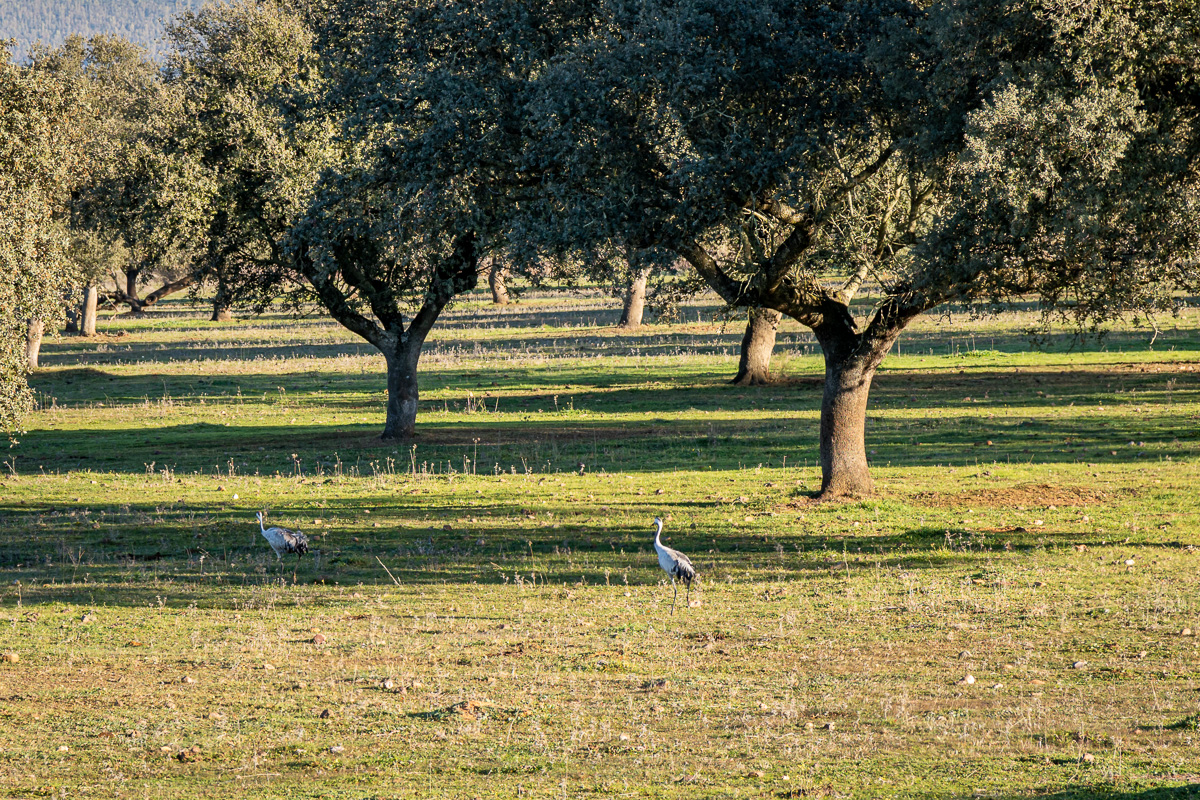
x,y
87,311
497,276
221,313
403,393
635,299
33,342
72,324
844,471
131,276
754,365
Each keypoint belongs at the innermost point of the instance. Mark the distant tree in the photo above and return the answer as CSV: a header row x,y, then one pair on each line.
x,y
120,84
955,151
40,144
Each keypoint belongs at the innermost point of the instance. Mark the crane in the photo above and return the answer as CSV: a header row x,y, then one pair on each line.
x,y
283,540
675,564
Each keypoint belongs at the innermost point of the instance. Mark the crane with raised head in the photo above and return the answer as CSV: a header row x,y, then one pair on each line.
x,y
675,564
284,541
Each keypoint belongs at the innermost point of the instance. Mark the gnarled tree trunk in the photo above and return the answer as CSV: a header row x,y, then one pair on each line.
x,y
754,364
497,277
403,392
87,311
221,313
635,299
844,469
33,342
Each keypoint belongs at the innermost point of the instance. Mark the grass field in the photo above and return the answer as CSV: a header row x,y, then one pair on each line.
x,y
483,615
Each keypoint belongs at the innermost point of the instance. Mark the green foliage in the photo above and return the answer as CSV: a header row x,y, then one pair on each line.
x,y
40,146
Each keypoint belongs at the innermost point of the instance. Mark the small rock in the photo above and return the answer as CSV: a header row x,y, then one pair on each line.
x,y
624,737
1186,632
1079,665
337,748
166,748
389,685
964,654
235,497
968,680
187,679
1081,547
1143,654
268,667
11,658
217,715
1129,562
1087,758
808,726
62,748
658,491
829,726
88,618
324,714
319,639
754,773
1036,682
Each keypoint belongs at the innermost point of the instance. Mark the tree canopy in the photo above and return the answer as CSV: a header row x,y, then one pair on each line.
x,y
40,144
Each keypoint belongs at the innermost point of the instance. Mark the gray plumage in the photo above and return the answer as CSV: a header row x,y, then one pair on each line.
x,y
675,564
284,541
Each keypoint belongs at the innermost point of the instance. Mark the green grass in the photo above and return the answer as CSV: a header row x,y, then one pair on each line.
x,y
527,650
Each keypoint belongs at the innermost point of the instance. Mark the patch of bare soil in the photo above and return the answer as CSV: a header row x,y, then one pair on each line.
x,y
1029,494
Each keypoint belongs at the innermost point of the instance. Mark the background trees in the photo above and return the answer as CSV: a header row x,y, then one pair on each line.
x,y
953,152
40,142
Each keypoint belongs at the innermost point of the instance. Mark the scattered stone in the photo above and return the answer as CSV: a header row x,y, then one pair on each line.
x,y
268,667
1087,758
88,618
968,680
1079,665
808,726
997,685
166,748
965,654
829,726
337,748
1036,682
624,737
1129,562
62,748
1186,632
389,685
1143,654
1081,547
11,658
324,714
754,773
319,639
217,715
187,679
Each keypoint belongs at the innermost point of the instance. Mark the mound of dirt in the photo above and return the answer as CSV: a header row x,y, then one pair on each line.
x,y
1030,494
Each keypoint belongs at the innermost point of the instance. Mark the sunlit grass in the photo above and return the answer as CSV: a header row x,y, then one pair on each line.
x,y
1033,529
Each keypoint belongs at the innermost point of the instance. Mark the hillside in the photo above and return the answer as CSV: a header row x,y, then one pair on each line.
x,y
51,21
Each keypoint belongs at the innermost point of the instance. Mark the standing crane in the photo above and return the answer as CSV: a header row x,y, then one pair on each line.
x,y
283,540
675,564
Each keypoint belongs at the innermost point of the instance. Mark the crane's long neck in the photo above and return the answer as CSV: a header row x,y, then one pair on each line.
x,y
260,524
658,534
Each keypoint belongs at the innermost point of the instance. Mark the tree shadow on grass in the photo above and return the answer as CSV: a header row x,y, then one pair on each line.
x,y
147,554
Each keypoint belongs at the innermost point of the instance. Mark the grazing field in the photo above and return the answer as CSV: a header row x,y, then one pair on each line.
x,y
482,614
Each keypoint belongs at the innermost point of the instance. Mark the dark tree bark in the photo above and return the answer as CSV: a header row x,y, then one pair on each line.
x,y
221,313
72,323
131,278
87,311
497,280
401,345
754,365
33,342
634,302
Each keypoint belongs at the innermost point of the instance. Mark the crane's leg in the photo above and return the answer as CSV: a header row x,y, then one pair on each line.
x,y
675,596
687,598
